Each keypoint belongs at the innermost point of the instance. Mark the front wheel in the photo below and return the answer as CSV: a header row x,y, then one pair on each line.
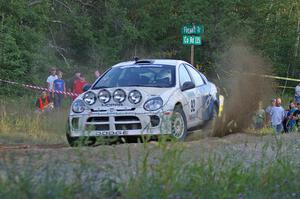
x,y
178,124
80,141
73,141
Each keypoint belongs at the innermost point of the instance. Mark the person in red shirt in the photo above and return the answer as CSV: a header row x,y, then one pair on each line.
x,y
43,103
78,85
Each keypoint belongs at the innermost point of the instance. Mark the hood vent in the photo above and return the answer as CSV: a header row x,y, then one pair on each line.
x,y
144,61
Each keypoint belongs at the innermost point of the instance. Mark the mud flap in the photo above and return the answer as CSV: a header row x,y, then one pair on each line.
x,y
208,108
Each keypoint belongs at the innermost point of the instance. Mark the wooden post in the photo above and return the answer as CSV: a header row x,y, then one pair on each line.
x,y
192,54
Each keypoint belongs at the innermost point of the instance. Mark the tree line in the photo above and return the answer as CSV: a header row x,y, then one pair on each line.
x,y
94,34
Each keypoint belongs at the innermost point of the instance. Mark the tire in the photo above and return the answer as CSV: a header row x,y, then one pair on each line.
x,y
73,141
178,124
79,141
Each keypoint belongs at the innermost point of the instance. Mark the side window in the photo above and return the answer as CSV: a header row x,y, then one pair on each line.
x,y
184,76
196,76
204,78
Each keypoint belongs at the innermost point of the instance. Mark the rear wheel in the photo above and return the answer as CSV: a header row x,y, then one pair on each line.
x,y
178,124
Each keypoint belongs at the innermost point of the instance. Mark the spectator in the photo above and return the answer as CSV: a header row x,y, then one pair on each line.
x,y
296,114
78,85
277,114
290,121
259,117
297,93
268,110
59,85
50,81
70,82
43,103
97,74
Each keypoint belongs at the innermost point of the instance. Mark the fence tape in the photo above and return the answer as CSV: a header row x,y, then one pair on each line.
x,y
266,76
285,87
39,88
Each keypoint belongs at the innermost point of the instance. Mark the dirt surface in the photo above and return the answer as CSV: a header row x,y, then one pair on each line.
x,y
4,147
193,140
121,161
239,141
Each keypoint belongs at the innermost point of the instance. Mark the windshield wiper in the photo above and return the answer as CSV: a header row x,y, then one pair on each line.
x,y
148,85
135,85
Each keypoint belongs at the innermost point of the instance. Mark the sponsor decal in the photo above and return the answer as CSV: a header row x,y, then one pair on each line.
x,y
191,94
208,102
193,116
111,105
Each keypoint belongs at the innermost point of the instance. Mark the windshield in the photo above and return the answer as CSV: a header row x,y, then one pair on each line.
x,y
138,75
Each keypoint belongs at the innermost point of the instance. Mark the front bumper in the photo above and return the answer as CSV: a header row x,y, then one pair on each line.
x,y
119,124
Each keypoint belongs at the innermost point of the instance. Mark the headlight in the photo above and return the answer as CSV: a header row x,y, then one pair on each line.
x,y
89,98
104,96
134,96
78,106
153,104
119,96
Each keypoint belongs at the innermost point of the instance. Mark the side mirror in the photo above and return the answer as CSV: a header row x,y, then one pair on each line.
x,y
86,87
187,86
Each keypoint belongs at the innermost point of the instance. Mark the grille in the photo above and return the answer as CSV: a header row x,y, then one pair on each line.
x,y
128,126
126,118
127,123
97,127
97,124
98,119
121,123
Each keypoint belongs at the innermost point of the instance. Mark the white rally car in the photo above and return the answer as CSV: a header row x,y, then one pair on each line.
x,y
143,97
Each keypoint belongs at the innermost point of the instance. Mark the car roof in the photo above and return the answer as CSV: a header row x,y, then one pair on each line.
x,y
172,62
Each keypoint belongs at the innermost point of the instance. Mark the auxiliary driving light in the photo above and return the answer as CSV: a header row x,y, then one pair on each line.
x,y
134,97
119,96
104,96
89,98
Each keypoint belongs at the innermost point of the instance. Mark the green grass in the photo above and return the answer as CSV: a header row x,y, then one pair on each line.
x,y
167,170
20,124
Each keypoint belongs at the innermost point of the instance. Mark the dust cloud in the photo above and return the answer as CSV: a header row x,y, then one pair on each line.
x,y
243,87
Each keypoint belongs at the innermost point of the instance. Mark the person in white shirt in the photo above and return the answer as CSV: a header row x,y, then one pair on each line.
x,y
277,114
297,93
50,81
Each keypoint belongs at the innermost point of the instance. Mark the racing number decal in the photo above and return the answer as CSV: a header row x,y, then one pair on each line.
x,y
193,105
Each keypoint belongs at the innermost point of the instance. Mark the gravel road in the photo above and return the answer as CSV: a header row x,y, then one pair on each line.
x,y
123,160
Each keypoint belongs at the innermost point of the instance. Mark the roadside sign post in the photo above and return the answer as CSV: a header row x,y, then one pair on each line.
x,y
191,36
192,54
